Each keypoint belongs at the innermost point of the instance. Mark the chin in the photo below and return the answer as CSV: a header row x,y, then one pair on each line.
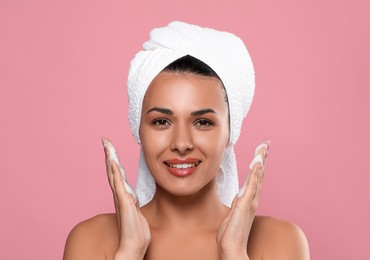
x,y
185,189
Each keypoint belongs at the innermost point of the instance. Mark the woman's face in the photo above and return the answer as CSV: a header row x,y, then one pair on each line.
x,y
184,131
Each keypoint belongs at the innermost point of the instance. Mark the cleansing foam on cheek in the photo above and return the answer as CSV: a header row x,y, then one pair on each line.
x,y
114,157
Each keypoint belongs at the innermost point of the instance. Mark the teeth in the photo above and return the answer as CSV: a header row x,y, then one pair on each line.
x,y
183,165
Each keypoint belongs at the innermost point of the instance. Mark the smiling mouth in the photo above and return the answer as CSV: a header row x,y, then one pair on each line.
x,y
183,165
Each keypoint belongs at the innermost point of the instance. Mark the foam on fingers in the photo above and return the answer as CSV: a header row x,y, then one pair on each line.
x,y
258,158
114,157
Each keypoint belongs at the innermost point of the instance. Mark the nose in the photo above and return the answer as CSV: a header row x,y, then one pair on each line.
x,y
182,140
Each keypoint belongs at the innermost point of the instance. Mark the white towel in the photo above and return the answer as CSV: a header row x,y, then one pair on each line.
x,y
227,55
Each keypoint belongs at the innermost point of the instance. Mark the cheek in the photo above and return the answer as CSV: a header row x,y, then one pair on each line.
x,y
213,143
153,142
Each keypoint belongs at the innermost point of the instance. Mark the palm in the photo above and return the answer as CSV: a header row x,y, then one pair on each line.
x,y
133,228
234,230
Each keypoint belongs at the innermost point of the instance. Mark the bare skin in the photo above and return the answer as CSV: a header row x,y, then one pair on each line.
x,y
185,219
270,238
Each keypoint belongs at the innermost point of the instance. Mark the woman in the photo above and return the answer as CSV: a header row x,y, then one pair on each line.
x,y
188,92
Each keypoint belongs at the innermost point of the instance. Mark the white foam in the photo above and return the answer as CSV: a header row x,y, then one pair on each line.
x,y
114,157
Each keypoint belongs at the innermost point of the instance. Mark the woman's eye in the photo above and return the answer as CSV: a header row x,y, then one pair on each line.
x,y
160,123
203,123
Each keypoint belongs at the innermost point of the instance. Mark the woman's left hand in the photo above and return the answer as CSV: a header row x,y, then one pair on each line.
x,y
233,233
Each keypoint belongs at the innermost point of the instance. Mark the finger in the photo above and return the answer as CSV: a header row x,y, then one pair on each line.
x,y
113,182
117,209
250,182
259,187
251,187
260,154
124,202
111,152
263,153
256,159
117,180
107,163
259,159
265,144
108,166
110,173
112,156
126,185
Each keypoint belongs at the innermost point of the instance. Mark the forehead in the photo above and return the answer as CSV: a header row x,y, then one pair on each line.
x,y
185,90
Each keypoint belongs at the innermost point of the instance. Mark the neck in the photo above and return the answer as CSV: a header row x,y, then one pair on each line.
x,y
201,210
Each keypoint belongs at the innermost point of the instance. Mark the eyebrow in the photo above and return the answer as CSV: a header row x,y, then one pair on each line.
x,y
167,111
161,110
202,112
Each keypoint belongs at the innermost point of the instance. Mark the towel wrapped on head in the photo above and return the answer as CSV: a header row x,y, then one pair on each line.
x,y
227,55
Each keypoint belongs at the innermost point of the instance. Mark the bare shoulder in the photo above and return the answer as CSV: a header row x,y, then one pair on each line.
x,y
278,239
94,238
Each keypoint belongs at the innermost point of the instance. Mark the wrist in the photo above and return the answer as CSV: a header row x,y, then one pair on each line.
x,y
125,255
235,256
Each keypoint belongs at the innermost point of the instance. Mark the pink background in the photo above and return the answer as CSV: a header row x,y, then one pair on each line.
x,y
63,72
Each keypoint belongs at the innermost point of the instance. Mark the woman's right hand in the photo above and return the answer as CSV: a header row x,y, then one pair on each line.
x,y
133,229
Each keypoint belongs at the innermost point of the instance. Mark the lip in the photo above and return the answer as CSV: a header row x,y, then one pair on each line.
x,y
182,172
185,160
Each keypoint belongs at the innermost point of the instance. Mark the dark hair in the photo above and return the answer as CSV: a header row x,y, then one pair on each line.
x,y
189,64
192,65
